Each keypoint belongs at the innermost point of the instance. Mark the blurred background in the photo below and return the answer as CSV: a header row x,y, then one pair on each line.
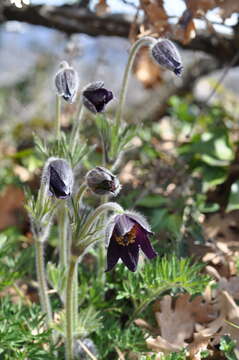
x,y
182,168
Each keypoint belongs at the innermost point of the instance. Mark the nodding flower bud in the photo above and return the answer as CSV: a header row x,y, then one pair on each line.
x,y
166,54
67,82
58,177
102,182
95,97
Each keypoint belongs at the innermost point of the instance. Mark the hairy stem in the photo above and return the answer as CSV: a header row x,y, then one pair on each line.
x,y
63,238
58,117
110,206
101,250
76,128
75,300
147,40
81,192
69,331
42,282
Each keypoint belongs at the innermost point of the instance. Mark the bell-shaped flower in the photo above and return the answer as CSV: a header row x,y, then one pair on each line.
x,y
67,82
102,182
165,53
126,234
95,97
58,177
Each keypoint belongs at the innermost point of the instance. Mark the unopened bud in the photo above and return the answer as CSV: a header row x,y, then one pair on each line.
x,y
58,177
102,182
95,97
67,82
166,54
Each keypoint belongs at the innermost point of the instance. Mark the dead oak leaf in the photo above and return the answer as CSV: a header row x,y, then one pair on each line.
x,y
227,7
199,6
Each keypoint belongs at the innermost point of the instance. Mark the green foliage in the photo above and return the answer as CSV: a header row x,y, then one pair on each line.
x,y
166,275
227,346
62,149
181,355
13,258
22,334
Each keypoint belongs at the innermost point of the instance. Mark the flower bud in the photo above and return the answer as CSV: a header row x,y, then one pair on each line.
x,y
95,97
102,182
166,54
67,82
58,176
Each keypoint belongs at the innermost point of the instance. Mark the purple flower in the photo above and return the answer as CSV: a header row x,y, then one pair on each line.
x,y
102,182
126,234
95,97
58,176
166,54
67,82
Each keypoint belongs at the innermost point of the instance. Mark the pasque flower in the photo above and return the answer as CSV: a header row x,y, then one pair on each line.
x,y
95,97
102,182
165,53
127,233
67,82
58,177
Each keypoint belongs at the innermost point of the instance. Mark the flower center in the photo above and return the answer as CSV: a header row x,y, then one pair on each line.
x,y
128,238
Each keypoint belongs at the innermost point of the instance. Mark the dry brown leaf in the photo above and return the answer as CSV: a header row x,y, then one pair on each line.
x,y
227,7
102,8
156,14
146,70
199,6
11,207
185,30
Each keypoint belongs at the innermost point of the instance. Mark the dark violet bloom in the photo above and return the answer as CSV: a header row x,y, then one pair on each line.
x,y
95,97
102,182
127,233
58,176
166,54
67,82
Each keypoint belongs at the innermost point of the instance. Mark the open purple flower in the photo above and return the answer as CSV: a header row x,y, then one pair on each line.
x,y
95,97
126,234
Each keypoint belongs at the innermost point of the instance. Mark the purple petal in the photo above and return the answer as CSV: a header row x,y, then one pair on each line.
x,y
113,254
130,256
110,228
139,219
123,225
143,241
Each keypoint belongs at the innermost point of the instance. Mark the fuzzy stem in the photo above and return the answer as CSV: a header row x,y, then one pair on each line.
x,y
63,227
110,206
69,331
147,40
41,278
76,128
58,117
75,299
101,250
81,192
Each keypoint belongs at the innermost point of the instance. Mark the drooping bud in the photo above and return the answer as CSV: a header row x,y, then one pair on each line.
x,y
102,182
58,177
67,82
165,53
95,97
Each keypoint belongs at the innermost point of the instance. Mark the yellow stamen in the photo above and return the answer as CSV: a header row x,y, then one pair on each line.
x,y
128,238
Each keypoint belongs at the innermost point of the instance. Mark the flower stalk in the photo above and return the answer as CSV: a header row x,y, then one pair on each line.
x,y
110,206
58,117
146,40
63,238
69,338
42,283
76,128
